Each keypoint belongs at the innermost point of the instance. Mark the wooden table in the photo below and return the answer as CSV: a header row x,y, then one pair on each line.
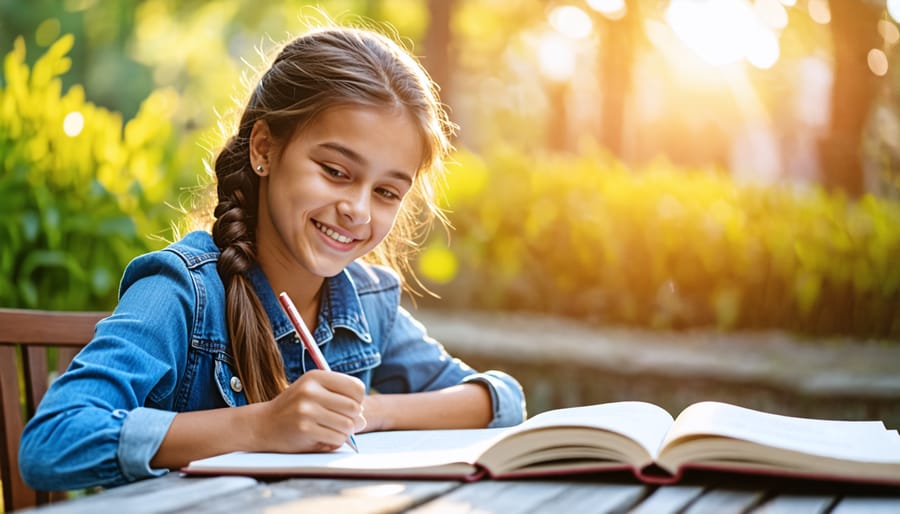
x,y
596,493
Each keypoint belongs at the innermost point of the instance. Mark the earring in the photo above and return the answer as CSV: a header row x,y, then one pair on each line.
x,y
259,168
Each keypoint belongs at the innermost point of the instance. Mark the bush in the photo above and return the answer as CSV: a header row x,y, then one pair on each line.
x,y
77,188
664,248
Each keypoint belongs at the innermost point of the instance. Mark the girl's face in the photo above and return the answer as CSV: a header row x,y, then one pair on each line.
x,y
334,191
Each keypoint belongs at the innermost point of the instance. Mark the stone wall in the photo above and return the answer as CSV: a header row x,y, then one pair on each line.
x,y
564,363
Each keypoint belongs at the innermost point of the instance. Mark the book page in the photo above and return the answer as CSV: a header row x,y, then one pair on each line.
x,y
414,452
867,441
644,423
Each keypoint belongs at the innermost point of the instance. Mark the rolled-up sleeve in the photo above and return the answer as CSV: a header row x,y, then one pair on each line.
x,y
142,433
507,397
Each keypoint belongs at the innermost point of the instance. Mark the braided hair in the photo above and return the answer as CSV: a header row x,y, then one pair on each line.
x,y
322,69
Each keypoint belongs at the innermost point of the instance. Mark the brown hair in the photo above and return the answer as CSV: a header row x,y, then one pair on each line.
x,y
320,70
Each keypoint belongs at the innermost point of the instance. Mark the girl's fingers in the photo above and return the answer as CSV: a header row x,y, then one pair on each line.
x,y
318,412
339,383
334,391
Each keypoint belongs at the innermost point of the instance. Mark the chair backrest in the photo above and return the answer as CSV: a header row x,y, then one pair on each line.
x,y
25,338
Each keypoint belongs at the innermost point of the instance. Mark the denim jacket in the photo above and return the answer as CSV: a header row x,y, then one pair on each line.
x,y
165,349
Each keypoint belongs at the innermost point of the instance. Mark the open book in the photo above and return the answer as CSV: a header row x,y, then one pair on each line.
x,y
635,436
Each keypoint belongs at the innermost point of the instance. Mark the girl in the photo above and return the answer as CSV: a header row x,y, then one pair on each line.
x,y
333,161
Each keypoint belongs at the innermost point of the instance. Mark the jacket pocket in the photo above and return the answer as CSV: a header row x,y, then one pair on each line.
x,y
229,384
207,382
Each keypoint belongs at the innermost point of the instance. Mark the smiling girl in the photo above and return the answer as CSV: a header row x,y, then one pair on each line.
x,y
330,169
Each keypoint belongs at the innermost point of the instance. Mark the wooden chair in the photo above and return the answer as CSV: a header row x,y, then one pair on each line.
x,y
25,338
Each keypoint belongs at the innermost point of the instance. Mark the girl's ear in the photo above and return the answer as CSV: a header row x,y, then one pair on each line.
x,y
261,145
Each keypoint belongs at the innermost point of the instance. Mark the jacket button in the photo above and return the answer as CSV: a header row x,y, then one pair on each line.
x,y
236,384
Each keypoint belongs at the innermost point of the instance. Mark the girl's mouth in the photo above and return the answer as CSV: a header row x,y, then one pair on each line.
x,y
332,234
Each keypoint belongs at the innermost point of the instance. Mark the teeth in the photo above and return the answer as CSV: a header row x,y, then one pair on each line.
x,y
332,234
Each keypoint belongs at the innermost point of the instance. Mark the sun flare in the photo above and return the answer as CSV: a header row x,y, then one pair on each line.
x,y
723,32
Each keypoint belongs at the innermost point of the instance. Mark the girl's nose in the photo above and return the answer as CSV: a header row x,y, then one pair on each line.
x,y
356,209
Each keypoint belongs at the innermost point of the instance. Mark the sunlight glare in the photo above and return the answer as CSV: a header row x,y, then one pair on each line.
x,y
893,8
556,57
819,11
73,123
888,32
878,62
764,50
606,6
612,9
571,22
722,32
702,26
772,13
789,3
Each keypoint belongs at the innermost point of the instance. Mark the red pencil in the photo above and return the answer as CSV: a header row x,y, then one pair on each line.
x,y
309,343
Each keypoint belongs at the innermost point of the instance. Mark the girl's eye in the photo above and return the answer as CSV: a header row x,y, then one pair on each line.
x,y
334,172
387,194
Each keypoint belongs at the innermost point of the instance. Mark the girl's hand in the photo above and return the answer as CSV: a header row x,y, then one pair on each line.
x,y
317,413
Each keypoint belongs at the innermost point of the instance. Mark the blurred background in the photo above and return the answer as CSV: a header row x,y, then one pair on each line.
x,y
662,164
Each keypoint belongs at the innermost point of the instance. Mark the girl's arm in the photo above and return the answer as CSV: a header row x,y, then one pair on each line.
x,y
101,421
423,386
460,406
316,413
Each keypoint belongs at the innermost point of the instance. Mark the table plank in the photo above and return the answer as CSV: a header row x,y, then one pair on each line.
x,y
175,493
668,499
723,501
325,496
797,504
170,493
512,497
868,505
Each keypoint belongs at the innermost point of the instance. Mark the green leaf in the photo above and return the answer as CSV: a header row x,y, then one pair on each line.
x,y
51,259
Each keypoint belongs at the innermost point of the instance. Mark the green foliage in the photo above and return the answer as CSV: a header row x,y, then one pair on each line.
x,y
667,248
79,190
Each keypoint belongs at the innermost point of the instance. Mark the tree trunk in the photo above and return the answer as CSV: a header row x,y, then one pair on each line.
x,y
616,58
854,32
557,133
438,46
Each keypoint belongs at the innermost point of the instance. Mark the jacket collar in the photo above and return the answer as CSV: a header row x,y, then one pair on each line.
x,y
341,307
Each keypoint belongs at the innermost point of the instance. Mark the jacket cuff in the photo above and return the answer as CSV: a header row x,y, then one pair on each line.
x,y
142,432
507,397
